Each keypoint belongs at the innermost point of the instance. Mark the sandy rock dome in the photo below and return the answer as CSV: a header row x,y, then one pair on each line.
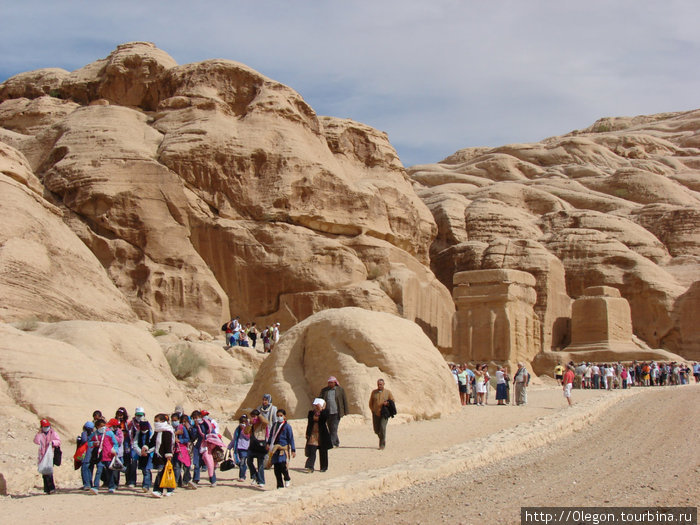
x,y
357,347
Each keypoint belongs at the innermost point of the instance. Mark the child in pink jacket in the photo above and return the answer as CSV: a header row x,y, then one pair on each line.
x,y
45,438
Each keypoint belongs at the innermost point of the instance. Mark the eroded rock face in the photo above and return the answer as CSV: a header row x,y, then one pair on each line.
x,y
616,204
495,319
601,320
207,189
45,271
357,347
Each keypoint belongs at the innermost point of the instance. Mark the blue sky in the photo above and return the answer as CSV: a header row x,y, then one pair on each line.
x,y
436,75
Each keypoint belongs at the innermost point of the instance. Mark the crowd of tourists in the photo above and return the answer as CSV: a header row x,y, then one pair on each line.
x,y
179,447
247,335
474,385
609,376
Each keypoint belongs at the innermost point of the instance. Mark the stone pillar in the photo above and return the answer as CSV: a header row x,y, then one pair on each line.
x,y
495,319
601,320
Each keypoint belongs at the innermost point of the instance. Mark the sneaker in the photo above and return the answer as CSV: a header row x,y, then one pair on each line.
x,y
309,470
240,480
191,486
168,494
213,484
111,491
261,485
94,491
286,484
131,486
155,494
323,469
85,488
145,489
253,482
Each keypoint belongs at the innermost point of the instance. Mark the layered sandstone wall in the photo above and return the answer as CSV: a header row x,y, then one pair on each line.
x,y
204,190
616,204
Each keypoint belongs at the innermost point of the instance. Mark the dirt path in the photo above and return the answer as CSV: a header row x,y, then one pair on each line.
x,y
643,451
417,452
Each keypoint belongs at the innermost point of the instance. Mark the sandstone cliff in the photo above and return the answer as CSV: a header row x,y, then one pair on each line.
x,y
204,190
616,204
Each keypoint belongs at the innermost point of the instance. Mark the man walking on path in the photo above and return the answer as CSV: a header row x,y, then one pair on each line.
x,y
334,396
380,401
568,382
521,380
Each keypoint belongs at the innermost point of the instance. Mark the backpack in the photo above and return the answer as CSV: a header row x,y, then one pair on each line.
x,y
224,327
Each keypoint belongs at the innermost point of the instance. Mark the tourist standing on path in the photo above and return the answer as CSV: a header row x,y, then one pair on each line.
x,y
501,391
558,373
334,396
521,380
378,400
47,438
568,383
317,436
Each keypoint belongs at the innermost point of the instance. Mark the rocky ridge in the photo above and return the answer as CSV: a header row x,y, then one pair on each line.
x,y
615,204
204,190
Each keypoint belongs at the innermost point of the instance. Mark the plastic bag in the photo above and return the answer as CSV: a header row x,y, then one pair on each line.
x,y
168,481
116,464
45,467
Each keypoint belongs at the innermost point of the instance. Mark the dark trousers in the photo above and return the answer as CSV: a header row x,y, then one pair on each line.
x,y
333,422
379,424
311,457
281,474
48,483
256,473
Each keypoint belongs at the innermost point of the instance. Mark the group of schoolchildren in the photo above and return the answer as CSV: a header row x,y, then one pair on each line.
x,y
109,448
106,449
239,335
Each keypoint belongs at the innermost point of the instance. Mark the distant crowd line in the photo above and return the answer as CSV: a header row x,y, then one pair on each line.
x,y
474,385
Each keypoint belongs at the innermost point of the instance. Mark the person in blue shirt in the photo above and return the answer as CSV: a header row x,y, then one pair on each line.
x,y
87,467
281,442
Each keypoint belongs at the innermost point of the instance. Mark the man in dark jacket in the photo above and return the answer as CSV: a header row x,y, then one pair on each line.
x,y
336,404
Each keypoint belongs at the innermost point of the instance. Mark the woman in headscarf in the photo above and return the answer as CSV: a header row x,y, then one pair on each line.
x,y
268,410
317,436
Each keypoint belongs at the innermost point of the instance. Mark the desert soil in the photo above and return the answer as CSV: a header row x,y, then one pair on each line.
x,y
476,466
642,452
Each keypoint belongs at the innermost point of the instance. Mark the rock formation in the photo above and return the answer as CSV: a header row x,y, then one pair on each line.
x,y
495,319
616,204
357,347
601,320
207,189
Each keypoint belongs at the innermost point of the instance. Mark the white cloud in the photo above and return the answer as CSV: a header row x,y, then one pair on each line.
x,y
436,75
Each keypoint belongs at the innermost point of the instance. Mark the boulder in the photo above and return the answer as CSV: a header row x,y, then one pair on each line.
x,y
357,347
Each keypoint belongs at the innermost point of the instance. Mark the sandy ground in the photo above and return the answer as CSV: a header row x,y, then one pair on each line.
x,y
425,457
643,451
